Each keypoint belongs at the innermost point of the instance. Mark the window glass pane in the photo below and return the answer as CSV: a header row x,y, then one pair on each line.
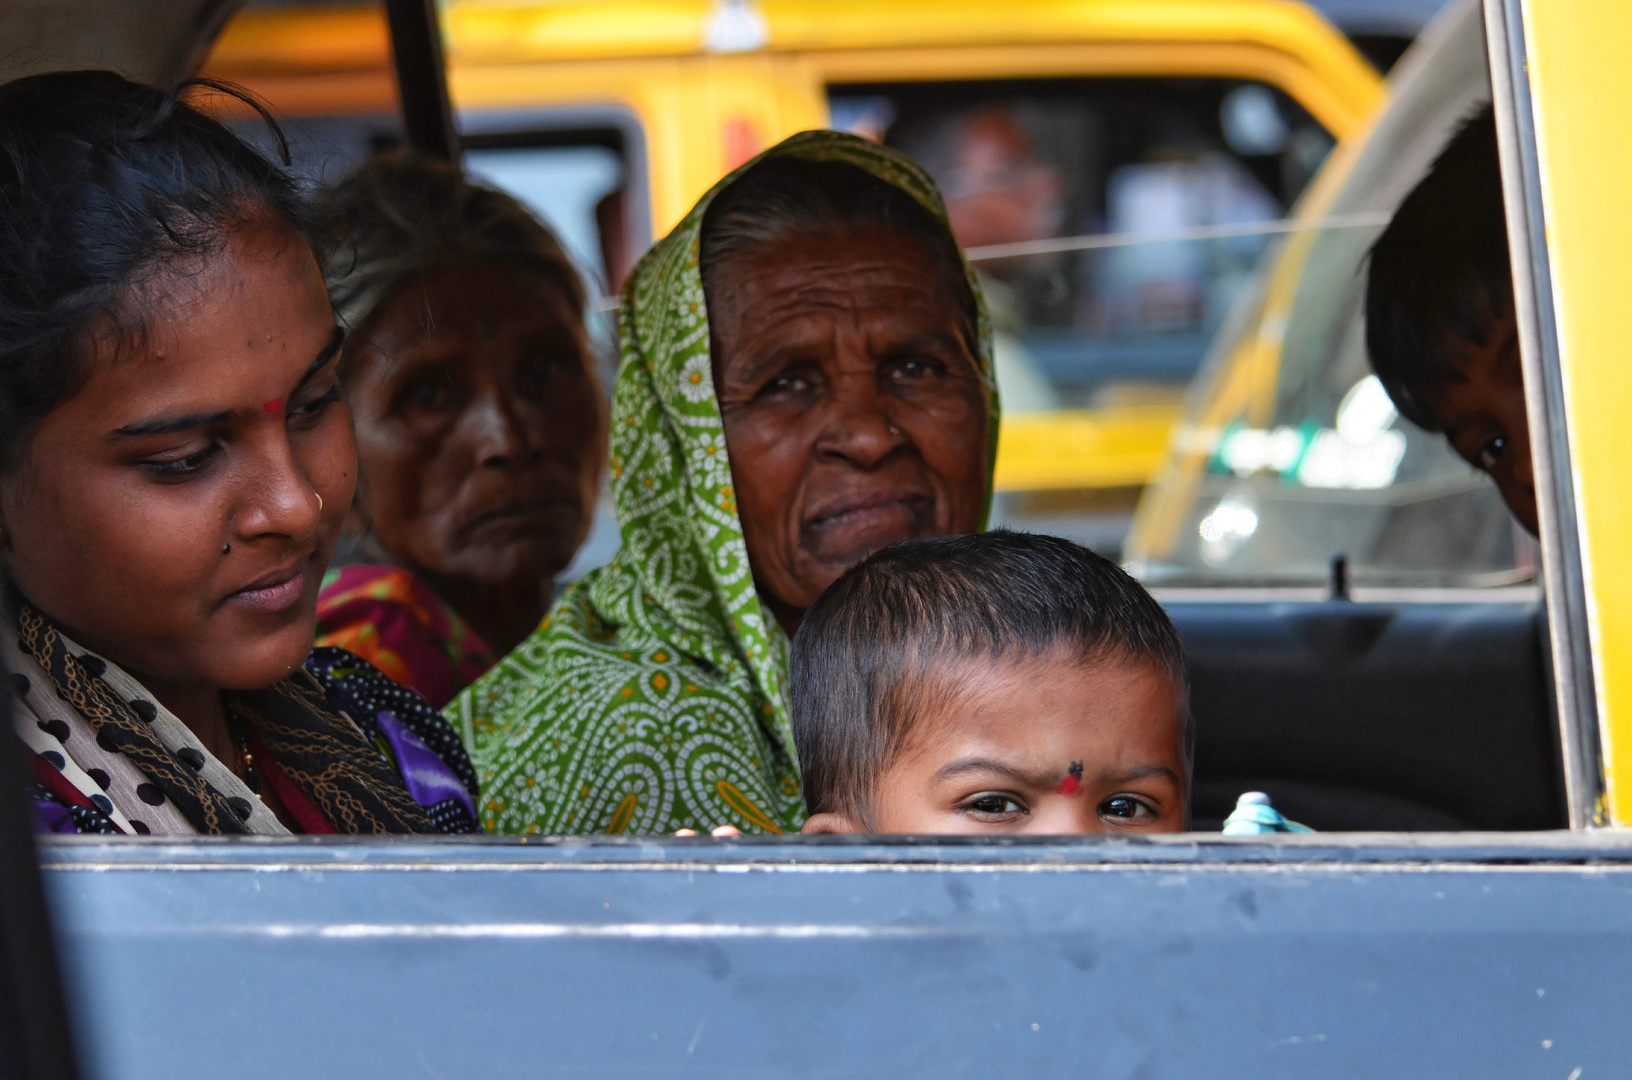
x,y
564,185
1292,452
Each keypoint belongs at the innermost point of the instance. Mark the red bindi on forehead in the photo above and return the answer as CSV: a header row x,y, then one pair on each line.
x,y
1072,782
273,407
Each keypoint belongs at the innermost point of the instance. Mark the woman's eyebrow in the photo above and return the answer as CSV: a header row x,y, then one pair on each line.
x,y
169,425
920,342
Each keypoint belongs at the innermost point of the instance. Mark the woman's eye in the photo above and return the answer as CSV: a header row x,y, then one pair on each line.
x,y
916,368
543,370
994,806
433,392
182,468
314,409
786,384
1125,807
1491,453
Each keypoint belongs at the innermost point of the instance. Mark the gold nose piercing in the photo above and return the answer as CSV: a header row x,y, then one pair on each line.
x,y
319,502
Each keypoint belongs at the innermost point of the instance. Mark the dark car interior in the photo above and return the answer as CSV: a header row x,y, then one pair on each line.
x,y
1375,717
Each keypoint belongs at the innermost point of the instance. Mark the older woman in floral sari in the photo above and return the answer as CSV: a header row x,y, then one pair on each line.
x,y
805,378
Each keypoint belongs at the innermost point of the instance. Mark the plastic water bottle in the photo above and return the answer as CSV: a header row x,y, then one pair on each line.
x,y
1254,816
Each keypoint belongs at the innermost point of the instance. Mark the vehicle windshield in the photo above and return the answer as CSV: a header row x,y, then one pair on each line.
x,y
1291,453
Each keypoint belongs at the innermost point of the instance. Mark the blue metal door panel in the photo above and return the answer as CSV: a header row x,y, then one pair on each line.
x,y
1165,959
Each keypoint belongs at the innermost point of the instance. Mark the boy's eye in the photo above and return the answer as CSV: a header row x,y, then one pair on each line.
x,y
1124,807
1491,452
992,805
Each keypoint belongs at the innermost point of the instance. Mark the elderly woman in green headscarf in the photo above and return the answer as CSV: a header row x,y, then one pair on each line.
x,y
805,378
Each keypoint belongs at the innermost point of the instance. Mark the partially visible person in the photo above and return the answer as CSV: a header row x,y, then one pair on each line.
x,y
994,683
805,380
175,463
1440,326
481,426
1001,189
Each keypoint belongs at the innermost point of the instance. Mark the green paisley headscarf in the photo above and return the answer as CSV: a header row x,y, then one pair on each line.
x,y
652,696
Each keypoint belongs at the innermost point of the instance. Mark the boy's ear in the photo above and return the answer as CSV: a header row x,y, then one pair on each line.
x,y
830,823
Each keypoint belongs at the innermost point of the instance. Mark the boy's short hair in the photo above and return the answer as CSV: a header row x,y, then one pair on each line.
x,y
1440,269
866,649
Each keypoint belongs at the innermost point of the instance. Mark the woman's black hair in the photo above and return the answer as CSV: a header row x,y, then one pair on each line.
x,y
104,182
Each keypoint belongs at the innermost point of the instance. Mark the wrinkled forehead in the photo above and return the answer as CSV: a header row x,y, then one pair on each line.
x,y
825,268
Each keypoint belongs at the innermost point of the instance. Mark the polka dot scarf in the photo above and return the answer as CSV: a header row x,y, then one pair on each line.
x,y
114,760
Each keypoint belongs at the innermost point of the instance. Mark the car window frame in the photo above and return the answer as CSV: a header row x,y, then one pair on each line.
x,y
1562,568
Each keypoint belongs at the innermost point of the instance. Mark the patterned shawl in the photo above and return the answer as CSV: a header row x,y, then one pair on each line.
x,y
652,696
128,765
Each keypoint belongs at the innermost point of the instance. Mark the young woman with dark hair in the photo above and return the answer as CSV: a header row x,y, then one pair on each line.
x,y
175,463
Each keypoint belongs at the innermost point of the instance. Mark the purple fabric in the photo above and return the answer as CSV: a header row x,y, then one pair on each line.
x,y
428,777
50,816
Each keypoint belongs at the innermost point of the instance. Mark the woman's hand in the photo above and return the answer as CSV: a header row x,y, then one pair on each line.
x,y
718,830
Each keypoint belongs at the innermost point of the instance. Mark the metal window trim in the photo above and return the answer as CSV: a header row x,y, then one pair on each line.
x,y
422,78
1595,851
1563,573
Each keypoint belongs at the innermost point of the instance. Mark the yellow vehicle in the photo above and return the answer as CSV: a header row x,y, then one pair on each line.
x,y
1143,117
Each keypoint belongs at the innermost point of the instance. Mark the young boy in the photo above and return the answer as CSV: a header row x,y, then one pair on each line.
x,y
992,683
1440,326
